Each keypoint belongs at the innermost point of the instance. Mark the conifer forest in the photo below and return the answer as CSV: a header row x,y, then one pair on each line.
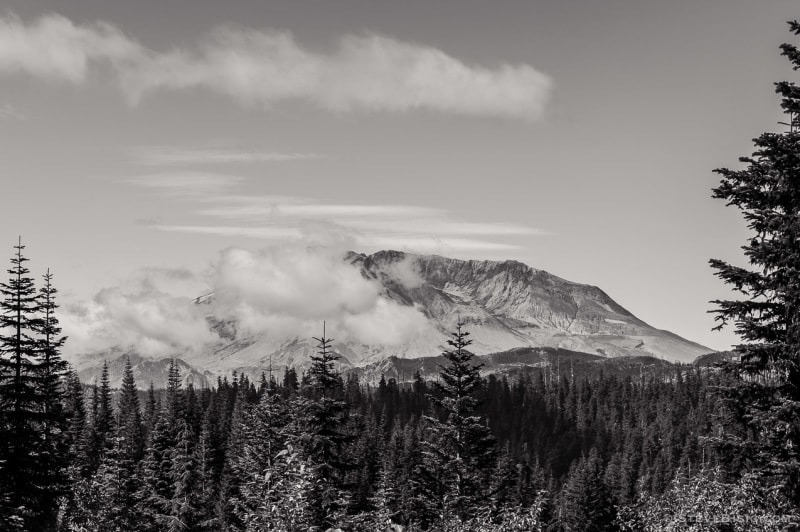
x,y
679,447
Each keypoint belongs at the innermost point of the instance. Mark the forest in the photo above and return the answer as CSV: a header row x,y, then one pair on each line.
x,y
683,447
319,450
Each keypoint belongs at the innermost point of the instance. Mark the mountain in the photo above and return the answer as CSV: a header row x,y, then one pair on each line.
x,y
552,361
145,371
505,305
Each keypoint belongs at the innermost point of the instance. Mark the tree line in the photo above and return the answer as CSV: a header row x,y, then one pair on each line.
x,y
320,450
683,449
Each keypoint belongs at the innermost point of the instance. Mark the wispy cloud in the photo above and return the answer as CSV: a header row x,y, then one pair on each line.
x,y
187,184
290,218
265,233
367,72
9,112
168,156
54,48
261,208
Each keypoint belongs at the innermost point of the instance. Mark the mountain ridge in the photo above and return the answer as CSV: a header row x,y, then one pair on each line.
x,y
505,305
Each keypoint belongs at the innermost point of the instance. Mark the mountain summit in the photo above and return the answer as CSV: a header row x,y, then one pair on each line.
x,y
504,304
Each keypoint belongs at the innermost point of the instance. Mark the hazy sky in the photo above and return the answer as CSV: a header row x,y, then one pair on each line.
x,y
576,136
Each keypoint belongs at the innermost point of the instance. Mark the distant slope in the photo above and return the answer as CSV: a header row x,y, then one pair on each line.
x,y
506,305
552,362
145,371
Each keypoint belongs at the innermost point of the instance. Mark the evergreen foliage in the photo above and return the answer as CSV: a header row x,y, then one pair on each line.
x,y
33,425
767,192
535,450
459,447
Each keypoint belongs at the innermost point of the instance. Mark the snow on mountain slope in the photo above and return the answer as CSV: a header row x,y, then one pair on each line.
x,y
505,305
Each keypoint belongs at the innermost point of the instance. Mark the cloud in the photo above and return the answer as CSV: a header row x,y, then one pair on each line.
x,y
357,226
166,156
145,314
187,184
55,49
9,112
432,244
406,272
292,289
263,208
284,291
266,233
264,68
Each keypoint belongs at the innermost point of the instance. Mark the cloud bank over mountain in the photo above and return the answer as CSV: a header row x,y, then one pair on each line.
x,y
277,291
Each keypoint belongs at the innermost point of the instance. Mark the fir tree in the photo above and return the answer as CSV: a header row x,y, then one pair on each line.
x,y
19,407
585,500
157,488
323,417
767,192
460,448
50,371
101,431
183,473
129,421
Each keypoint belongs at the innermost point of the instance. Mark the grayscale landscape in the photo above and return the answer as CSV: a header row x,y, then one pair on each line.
x,y
408,266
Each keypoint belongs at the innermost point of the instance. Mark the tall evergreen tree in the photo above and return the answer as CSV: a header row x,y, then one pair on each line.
x,y
585,500
101,431
767,192
323,417
157,487
460,448
50,372
129,419
20,404
75,408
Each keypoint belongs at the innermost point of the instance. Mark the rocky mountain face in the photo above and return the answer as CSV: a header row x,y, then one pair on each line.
x,y
505,306
509,304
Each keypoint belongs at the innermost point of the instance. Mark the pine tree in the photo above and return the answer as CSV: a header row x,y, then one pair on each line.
x,y
585,500
101,431
183,503
75,441
175,397
75,407
50,371
20,395
460,449
129,422
323,417
157,488
151,408
767,192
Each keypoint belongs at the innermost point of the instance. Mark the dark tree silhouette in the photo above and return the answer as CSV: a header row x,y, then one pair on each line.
x,y
767,192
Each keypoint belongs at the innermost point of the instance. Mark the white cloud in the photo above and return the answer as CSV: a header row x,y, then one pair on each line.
x,y
266,67
441,224
146,314
266,233
432,244
166,156
410,228
9,112
261,209
283,291
406,272
292,289
187,184
56,49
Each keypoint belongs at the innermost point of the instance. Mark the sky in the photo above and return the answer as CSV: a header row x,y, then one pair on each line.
x,y
147,144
